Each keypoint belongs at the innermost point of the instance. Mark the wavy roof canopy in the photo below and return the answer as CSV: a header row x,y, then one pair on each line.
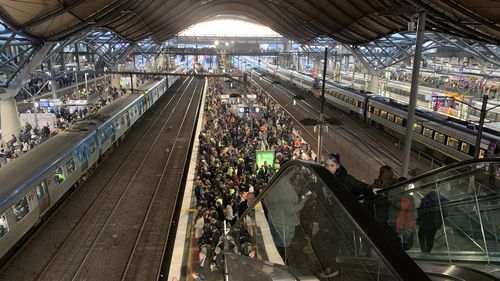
x,y
347,21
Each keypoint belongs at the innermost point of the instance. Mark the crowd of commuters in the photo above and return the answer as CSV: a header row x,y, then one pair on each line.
x,y
30,136
227,177
462,84
228,180
36,85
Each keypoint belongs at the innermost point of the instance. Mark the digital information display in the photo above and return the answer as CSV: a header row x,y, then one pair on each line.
x,y
264,155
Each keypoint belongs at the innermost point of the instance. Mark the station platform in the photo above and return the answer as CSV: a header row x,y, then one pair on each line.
x,y
286,217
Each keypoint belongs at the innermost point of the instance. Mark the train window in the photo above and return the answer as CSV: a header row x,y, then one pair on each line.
x,y
92,147
58,176
122,121
428,132
370,108
398,120
417,128
361,104
481,153
390,117
465,148
439,137
21,209
70,166
4,225
376,111
383,113
452,142
117,124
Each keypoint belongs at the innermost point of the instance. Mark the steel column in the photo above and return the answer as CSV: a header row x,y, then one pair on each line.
x,y
413,94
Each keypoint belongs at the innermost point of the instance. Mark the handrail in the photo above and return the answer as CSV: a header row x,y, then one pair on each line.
x,y
397,261
440,170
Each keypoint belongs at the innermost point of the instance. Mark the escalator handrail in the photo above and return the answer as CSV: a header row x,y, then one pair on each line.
x,y
396,259
440,170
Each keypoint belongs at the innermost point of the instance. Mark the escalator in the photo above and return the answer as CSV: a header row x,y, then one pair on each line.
x,y
306,226
456,210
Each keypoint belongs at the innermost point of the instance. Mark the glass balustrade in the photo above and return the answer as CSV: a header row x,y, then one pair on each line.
x,y
309,224
449,215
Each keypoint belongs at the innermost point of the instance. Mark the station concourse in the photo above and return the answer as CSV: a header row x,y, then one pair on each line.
x,y
261,140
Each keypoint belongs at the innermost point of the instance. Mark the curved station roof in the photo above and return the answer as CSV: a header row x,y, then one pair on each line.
x,y
347,21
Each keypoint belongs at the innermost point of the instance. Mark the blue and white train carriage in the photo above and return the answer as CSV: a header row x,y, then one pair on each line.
x,y
32,184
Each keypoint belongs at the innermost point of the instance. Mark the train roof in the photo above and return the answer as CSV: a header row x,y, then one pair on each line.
x,y
149,84
21,172
118,105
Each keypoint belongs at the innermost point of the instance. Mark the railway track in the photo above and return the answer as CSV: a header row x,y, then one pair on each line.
x,y
349,129
120,232
369,151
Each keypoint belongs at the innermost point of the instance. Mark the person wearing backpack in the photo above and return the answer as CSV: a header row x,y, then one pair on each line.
x,y
429,219
402,217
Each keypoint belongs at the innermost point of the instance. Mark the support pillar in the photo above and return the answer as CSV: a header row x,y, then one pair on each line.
x,y
413,94
10,122
115,78
374,86
54,89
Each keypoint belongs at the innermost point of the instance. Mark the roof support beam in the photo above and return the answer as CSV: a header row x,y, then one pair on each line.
x,y
27,67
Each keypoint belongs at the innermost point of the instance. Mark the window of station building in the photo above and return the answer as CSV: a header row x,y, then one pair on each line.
x,y
376,111
21,209
58,176
439,137
428,132
4,225
465,148
383,114
453,142
70,166
390,117
398,120
417,128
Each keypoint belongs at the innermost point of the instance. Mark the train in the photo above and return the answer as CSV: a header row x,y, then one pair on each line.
x,y
444,138
32,185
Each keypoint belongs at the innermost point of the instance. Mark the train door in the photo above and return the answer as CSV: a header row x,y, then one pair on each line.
x,y
128,119
111,132
146,100
82,157
42,195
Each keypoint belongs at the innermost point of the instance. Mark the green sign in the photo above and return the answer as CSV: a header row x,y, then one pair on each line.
x,y
264,156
